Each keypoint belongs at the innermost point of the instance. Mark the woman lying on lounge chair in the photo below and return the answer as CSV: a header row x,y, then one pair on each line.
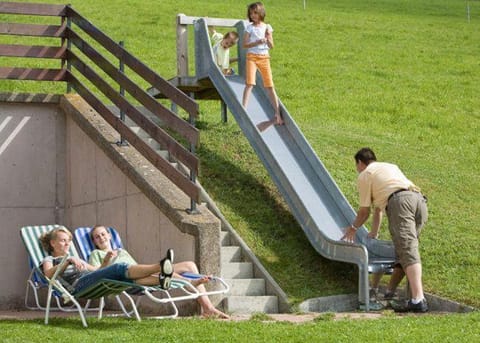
x,y
104,256
78,275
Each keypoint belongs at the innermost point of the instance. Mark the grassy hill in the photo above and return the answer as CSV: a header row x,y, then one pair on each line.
x,y
399,76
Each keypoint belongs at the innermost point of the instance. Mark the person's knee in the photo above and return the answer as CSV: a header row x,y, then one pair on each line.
x,y
191,266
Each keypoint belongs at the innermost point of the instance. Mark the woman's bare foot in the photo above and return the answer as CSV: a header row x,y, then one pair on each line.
x,y
278,119
200,281
214,313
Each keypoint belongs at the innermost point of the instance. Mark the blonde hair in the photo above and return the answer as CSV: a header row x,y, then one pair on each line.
x,y
256,7
51,235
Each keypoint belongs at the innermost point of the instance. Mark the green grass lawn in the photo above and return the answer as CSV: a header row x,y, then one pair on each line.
x,y
430,328
399,76
433,328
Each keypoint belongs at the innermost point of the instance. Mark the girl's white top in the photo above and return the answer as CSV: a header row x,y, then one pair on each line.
x,y
256,33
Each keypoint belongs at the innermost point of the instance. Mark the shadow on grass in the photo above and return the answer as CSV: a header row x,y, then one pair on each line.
x,y
236,180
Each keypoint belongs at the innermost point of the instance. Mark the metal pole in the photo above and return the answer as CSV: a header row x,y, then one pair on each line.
x,y
224,111
193,176
121,68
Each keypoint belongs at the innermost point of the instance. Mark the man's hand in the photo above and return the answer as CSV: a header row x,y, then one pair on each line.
x,y
349,235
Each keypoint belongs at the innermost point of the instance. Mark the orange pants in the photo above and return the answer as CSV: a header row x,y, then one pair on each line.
x,y
262,63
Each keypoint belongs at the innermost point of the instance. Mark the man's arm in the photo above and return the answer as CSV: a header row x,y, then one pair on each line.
x,y
362,215
376,222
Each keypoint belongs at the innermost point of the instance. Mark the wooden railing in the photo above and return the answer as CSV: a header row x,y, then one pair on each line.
x,y
73,68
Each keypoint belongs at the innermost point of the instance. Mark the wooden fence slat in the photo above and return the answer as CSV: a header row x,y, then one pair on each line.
x,y
175,148
189,20
168,118
37,51
32,9
133,63
33,30
36,74
180,180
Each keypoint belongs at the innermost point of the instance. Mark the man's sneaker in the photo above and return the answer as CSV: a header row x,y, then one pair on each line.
x,y
421,307
389,295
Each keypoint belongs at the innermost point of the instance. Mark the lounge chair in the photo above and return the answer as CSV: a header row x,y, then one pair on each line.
x,y
30,236
85,246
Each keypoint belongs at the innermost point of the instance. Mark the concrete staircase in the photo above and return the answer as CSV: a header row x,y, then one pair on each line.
x,y
247,294
252,288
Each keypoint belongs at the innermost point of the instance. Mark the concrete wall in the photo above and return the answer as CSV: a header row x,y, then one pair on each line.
x,y
32,174
98,192
59,164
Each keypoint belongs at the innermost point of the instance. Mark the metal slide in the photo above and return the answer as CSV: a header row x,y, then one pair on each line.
x,y
311,193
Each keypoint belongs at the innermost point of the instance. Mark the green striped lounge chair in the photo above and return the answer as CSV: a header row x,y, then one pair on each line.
x,y
183,289
30,236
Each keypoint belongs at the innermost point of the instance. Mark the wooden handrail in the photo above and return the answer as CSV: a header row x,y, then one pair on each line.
x,y
180,180
32,9
64,52
146,124
169,119
133,63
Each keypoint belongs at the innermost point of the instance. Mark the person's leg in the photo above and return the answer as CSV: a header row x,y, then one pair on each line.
x,y
250,74
414,276
116,271
395,279
246,95
274,100
403,224
414,270
140,271
206,305
151,280
265,69
376,277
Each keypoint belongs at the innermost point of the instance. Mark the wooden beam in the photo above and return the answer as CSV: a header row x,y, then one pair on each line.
x,y
169,119
187,20
13,50
33,29
32,9
170,144
133,63
180,180
36,74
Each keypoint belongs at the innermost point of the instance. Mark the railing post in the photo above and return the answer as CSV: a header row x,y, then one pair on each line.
x,y
193,175
223,110
69,48
121,68
182,47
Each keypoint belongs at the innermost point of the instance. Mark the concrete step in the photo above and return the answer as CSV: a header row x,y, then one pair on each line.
x,y
139,132
237,270
224,238
250,287
231,254
247,304
152,142
164,153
